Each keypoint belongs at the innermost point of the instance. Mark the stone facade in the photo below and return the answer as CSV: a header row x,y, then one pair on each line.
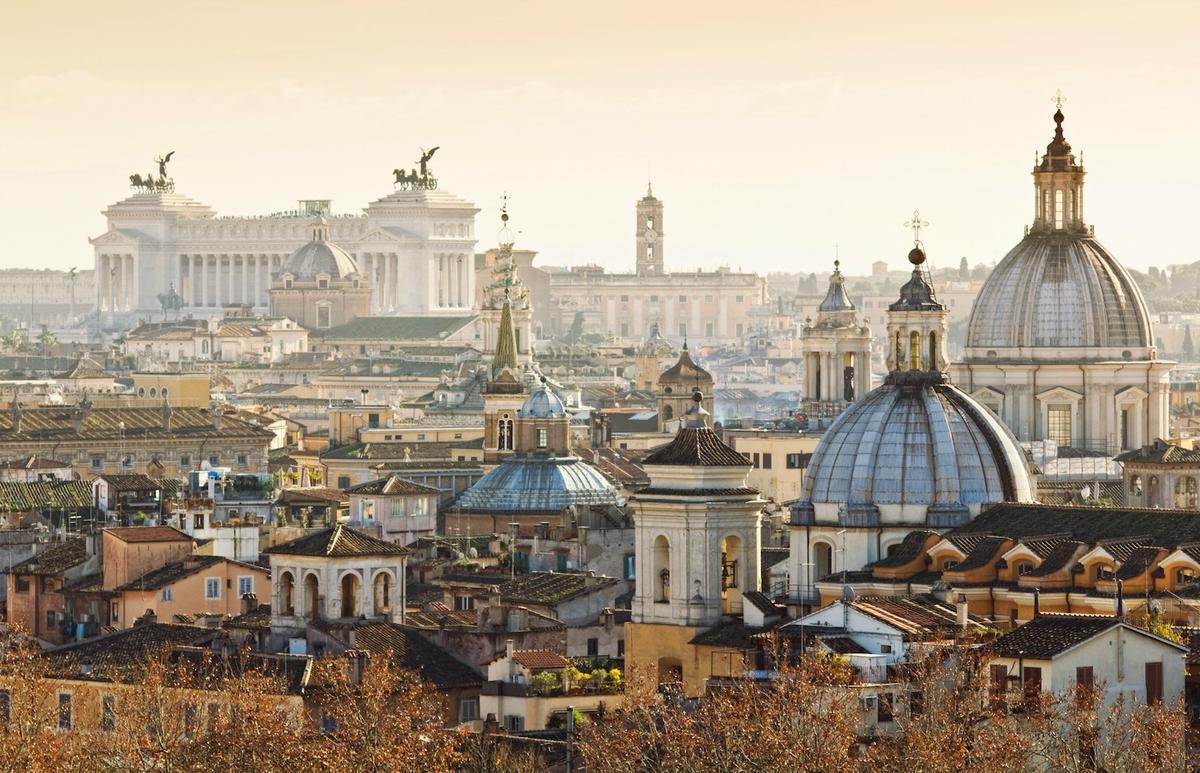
x,y
415,248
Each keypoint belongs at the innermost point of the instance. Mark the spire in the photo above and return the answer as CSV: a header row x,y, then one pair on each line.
x,y
506,341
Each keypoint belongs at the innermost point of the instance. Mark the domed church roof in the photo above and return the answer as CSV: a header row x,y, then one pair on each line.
x,y
542,404
1059,290
319,256
915,440
1059,287
685,371
539,485
928,444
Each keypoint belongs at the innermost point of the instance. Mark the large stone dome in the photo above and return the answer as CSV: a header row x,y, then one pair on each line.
x,y
1059,289
923,443
319,256
543,485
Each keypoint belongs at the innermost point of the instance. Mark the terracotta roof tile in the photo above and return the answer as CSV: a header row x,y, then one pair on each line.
x,y
1052,634
696,447
148,534
55,559
539,659
338,542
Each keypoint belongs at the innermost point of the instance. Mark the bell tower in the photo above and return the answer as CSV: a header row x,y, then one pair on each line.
x,y
649,235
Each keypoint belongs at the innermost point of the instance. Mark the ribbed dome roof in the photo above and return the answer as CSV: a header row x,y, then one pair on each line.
x,y
686,371
927,444
1059,289
524,485
542,404
319,256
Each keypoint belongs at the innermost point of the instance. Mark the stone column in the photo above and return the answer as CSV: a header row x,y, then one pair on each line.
x,y
131,284
205,276
246,281
385,294
101,282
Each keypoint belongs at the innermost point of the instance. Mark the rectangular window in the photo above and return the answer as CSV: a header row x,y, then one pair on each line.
x,y
624,329
212,588
185,460
1154,683
343,481
464,603
883,709
766,461
1058,425
754,460
64,711
999,685
543,437
214,460
916,703
114,616
682,330
629,567
468,710
50,619
708,299
243,460
108,713
593,645
97,462
514,723
22,585
620,648
1124,429
741,299
708,329
1085,682
1031,679
323,316
245,585
793,461
624,299
168,594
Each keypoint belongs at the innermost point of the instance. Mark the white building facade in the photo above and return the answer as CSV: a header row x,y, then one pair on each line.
x,y
416,248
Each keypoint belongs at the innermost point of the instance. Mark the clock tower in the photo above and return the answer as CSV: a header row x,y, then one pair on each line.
x,y
649,235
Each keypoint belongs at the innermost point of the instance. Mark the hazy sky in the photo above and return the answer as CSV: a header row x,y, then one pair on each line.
x,y
772,131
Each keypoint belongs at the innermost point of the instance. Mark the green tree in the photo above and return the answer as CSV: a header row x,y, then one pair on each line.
x,y
15,341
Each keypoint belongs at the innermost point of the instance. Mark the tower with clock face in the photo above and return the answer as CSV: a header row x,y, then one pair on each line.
x,y
649,235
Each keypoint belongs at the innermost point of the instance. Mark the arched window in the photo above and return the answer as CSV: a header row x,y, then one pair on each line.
x,y
350,586
1189,497
504,433
204,346
822,558
287,593
914,350
1070,206
933,352
1135,485
1046,205
731,579
312,596
668,413
661,568
1058,208
899,351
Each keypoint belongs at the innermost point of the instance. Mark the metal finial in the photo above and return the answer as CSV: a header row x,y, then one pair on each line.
x,y
915,223
1059,99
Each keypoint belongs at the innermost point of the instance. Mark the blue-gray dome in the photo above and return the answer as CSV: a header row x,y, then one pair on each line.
x,y
542,404
538,485
1059,289
917,444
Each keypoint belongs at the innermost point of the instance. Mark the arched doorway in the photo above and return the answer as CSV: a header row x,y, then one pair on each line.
x,y
350,590
287,593
312,596
383,593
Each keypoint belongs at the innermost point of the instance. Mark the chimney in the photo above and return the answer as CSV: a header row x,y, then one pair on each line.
x,y
218,413
1120,599
508,648
1037,602
79,415
166,415
960,611
356,663
16,415
249,603
147,619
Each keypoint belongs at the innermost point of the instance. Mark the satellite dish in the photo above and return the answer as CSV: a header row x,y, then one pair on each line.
x,y
848,594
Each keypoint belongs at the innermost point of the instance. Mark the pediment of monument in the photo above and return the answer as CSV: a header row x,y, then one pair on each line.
x,y
117,236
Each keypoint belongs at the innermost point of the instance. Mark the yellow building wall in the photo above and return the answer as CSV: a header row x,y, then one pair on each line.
x,y
646,645
184,390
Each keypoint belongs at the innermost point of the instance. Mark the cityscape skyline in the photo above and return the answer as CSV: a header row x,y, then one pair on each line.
x,y
791,126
